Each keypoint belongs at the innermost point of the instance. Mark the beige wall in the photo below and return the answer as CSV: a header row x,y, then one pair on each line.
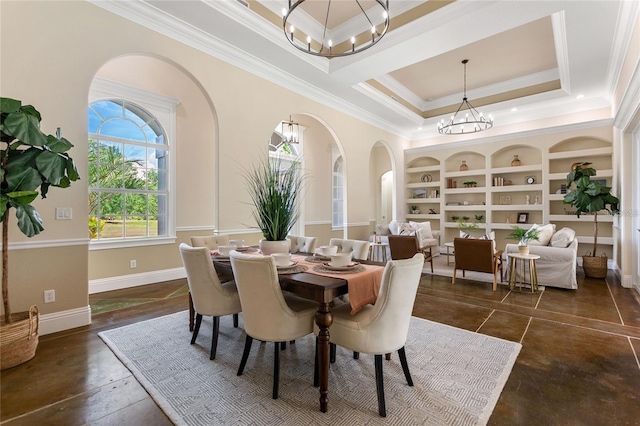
x,y
224,119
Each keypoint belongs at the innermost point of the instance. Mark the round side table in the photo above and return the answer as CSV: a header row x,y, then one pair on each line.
x,y
513,268
378,251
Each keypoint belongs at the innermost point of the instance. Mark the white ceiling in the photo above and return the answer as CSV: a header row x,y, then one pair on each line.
x,y
536,56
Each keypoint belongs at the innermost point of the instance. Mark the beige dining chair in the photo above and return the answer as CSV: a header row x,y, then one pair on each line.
x,y
267,313
302,244
359,249
383,327
209,295
210,241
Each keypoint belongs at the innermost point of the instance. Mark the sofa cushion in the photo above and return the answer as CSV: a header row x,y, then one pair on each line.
x,y
546,232
563,237
424,229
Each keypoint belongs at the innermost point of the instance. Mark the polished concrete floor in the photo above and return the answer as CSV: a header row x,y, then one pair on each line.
x,y
578,365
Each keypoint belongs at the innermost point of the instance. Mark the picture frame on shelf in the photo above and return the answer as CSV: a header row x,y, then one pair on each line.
x,y
523,218
419,193
505,200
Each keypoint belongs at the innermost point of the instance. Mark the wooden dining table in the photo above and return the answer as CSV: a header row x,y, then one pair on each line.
x,y
320,288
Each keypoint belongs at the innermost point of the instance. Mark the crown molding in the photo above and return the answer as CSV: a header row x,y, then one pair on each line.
x,y
628,15
559,27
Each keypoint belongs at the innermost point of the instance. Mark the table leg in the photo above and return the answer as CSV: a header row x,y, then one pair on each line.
x,y
324,319
533,275
192,312
448,255
512,273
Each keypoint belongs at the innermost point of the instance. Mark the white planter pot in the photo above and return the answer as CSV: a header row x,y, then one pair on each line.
x,y
270,247
523,250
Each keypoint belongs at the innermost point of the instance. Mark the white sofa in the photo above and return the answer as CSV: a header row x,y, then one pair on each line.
x,y
426,236
558,259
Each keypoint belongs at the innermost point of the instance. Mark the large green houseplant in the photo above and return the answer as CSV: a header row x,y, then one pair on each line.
x,y
31,161
275,187
590,196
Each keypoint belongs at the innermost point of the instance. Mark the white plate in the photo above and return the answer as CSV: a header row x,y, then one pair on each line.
x,y
341,268
290,265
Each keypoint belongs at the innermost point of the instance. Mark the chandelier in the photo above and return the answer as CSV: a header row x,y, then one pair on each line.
x,y
472,122
290,132
321,44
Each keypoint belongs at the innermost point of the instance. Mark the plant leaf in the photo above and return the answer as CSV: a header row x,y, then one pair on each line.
x,y
58,145
24,127
29,221
52,166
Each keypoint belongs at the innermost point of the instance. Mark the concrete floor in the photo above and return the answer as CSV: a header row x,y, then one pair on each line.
x,y
578,365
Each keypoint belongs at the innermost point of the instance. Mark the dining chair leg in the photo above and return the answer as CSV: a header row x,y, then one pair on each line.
x,y
235,320
214,339
196,329
382,410
283,346
405,366
316,375
332,353
356,355
245,354
276,369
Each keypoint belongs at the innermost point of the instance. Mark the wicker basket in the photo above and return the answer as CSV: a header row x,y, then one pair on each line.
x,y
19,339
595,266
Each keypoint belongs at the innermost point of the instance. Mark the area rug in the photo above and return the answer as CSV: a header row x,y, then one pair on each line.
x,y
458,376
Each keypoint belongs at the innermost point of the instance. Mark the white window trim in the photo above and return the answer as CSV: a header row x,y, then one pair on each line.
x,y
163,108
335,158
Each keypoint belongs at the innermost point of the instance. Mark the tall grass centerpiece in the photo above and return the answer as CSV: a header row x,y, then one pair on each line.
x,y
276,188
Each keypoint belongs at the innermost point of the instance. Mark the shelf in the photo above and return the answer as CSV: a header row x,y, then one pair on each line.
x,y
605,241
475,189
423,200
423,184
593,152
517,207
465,208
467,173
455,225
421,169
517,188
556,197
582,218
517,169
423,216
509,226
563,176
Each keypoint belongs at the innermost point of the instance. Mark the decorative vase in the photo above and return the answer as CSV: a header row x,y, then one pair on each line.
x,y
19,339
523,250
463,166
516,161
271,247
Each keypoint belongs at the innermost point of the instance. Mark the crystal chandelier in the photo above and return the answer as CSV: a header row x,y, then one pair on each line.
x,y
290,132
472,122
322,44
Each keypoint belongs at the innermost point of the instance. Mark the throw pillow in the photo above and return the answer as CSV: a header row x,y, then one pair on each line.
x,y
563,237
424,227
546,232
464,235
407,229
394,227
490,236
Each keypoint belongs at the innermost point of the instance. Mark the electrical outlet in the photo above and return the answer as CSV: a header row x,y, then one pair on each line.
x,y
49,296
133,264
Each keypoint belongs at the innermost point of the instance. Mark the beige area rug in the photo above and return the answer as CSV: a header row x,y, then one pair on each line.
x,y
458,377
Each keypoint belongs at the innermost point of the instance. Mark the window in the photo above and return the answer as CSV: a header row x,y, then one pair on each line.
x,y
130,173
337,218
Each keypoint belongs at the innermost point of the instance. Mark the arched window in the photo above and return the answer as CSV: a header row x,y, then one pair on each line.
x,y
129,172
337,217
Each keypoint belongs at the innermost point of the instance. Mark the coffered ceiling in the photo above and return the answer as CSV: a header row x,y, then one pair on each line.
x,y
527,59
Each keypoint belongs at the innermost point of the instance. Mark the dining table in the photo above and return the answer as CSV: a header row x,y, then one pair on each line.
x,y
313,286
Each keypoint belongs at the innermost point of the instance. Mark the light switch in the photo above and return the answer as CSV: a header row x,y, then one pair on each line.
x,y
63,213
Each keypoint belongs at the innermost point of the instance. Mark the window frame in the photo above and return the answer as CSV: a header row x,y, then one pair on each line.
x,y
337,174
163,109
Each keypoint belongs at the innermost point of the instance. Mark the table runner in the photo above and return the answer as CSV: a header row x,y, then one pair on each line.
x,y
363,286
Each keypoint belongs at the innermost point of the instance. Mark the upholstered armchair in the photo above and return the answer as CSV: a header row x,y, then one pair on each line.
x,y
477,255
268,314
209,295
302,244
359,249
406,246
383,327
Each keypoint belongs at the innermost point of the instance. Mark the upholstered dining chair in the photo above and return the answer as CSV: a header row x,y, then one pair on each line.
x,y
477,255
383,327
359,249
302,244
405,246
209,295
210,241
268,314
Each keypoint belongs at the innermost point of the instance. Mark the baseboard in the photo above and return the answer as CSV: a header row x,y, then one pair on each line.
x,y
611,264
135,280
64,320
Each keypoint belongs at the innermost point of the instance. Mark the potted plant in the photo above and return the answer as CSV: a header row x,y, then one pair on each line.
x,y
523,236
30,160
414,210
466,227
276,192
590,196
